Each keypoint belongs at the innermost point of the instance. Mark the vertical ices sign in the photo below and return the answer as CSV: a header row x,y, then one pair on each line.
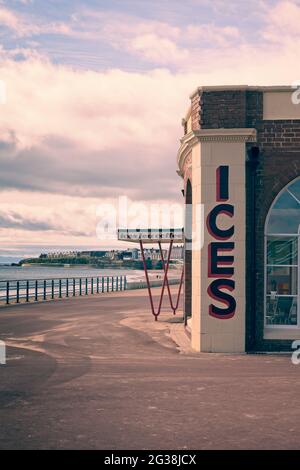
x,y
220,261
2,353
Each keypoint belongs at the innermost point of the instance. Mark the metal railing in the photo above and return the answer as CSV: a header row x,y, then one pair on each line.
x,y
17,291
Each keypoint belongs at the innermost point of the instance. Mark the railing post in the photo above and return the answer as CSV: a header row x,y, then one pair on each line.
x,y
121,283
67,287
125,282
52,289
27,291
74,289
7,292
59,289
18,292
36,291
102,284
80,286
117,286
45,288
86,286
97,285
92,285
107,284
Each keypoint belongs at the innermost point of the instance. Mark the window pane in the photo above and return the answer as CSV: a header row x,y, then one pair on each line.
x,y
285,213
282,280
281,311
282,250
294,189
285,221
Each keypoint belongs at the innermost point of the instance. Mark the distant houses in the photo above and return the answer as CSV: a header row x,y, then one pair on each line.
x,y
130,258
152,253
126,255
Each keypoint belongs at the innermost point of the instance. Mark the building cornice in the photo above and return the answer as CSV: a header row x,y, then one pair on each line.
x,y
274,88
211,135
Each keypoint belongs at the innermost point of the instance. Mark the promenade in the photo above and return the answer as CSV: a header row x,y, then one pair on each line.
x,y
98,373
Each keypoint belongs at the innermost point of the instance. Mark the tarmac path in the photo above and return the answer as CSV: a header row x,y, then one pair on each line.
x,y
98,373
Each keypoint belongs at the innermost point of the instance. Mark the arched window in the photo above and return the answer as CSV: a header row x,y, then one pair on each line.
x,y
282,235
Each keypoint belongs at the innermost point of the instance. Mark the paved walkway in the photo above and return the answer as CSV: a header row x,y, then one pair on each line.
x,y
97,372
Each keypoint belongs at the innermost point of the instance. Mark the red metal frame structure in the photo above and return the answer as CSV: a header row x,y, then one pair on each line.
x,y
160,236
174,308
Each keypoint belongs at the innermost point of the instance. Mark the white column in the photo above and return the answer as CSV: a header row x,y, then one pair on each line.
x,y
218,324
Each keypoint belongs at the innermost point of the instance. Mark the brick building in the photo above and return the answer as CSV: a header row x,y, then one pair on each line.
x,y
240,162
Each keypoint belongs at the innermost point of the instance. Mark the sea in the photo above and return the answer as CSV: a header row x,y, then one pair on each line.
x,y
17,273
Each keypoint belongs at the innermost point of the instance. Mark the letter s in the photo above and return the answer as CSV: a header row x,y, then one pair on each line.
x,y
215,292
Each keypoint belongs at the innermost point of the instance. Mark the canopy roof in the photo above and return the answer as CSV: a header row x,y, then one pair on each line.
x,y
152,235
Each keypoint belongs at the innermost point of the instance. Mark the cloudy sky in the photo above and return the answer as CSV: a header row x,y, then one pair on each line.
x,y
95,93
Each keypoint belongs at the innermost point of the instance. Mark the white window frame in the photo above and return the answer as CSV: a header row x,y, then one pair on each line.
x,y
269,327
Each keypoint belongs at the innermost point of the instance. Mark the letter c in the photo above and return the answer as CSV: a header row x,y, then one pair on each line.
x,y
220,234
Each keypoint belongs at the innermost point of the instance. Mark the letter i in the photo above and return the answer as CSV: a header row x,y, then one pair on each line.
x,y
222,183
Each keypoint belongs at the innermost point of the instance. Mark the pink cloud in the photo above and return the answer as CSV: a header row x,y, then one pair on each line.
x,y
73,138
24,26
157,49
15,22
282,22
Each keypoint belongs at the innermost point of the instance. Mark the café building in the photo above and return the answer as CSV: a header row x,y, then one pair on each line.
x,y
239,159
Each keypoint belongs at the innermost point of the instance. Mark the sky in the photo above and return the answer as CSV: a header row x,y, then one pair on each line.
x,y
94,96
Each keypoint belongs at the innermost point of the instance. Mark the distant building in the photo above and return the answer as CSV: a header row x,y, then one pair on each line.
x,y
177,252
62,254
130,254
154,253
93,254
113,254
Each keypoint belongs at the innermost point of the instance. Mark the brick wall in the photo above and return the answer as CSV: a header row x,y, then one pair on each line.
x,y
283,135
254,108
196,111
226,109
223,109
279,164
